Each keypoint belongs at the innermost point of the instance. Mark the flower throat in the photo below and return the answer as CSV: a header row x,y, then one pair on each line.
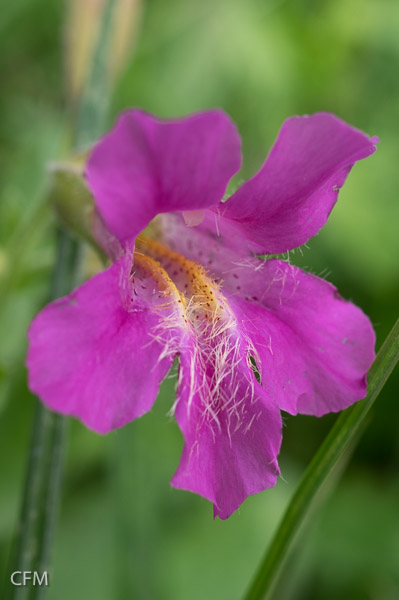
x,y
185,280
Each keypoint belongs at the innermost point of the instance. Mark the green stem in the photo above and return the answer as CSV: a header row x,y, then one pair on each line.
x,y
44,469
94,103
340,436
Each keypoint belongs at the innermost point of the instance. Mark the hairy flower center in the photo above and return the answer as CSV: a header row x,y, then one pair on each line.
x,y
187,281
219,387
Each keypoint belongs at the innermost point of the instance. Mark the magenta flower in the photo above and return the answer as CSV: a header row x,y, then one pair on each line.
x,y
253,336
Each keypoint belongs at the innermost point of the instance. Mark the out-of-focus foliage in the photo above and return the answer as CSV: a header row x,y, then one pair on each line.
x,y
123,532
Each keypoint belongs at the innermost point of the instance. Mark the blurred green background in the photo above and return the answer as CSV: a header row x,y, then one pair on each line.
x,y
123,532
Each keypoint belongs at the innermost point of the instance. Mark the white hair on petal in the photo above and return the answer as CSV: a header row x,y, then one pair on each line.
x,y
196,319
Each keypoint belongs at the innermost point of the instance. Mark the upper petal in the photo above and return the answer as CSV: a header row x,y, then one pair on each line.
x,y
291,197
94,356
145,166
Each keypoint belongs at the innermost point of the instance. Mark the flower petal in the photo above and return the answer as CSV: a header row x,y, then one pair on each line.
x,y
146,166
232,436
91,355
315,348
291,197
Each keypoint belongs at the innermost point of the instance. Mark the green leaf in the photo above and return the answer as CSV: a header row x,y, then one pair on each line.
x,y
337,441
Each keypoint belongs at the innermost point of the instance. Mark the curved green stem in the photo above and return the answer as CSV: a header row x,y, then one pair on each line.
x,y
341,434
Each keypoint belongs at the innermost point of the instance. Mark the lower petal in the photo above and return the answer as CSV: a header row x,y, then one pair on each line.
x,y
93,356
231,439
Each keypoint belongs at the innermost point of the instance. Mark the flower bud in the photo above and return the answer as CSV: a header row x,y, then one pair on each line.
x,y
71,199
